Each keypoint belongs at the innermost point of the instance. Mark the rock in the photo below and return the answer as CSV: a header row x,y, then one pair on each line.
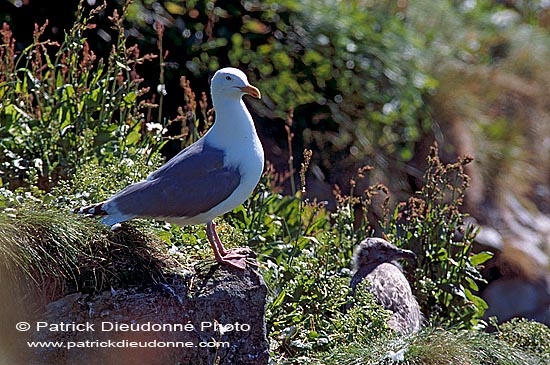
x,y
215,317
489,238
516,297
519,275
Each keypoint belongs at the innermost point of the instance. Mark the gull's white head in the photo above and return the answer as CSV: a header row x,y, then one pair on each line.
x,y
232,82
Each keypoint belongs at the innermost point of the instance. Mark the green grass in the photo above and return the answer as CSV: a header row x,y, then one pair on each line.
x,y
431,346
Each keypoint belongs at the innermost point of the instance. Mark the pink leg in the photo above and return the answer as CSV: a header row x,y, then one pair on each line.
x,y
222,255
212,226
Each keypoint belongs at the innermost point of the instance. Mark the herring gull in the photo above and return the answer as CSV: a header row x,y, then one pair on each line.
x,y
205,180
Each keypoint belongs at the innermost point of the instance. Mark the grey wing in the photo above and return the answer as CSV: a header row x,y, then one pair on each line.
x,y
191,183
190,153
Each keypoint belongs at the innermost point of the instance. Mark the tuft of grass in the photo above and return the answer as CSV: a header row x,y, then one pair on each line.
x,y
51,253
438,346
431,346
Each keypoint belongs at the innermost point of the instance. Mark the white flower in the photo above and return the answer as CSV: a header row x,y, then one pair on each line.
x,y
397,356
161,89
38,163
127,162
153,127
124,128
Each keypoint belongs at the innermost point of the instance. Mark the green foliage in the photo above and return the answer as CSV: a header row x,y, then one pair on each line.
x,y
351,72
89,183
356,61
94,182
305,251
364,321
62,108
531,336
433,227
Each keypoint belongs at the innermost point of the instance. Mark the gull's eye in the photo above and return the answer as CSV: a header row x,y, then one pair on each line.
x,y
228,78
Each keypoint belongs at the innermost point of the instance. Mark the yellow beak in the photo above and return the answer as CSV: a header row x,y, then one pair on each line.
x,y
251,90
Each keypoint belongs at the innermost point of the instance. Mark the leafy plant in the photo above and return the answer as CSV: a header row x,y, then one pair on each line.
x,y
432,226
306,251
62,108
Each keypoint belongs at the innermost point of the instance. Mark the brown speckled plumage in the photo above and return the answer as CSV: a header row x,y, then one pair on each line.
x,y
375,260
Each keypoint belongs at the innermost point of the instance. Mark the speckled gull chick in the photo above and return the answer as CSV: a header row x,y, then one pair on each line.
x,y
375,260
205,180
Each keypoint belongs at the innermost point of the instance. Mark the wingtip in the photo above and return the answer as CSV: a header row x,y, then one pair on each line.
x,y
94,209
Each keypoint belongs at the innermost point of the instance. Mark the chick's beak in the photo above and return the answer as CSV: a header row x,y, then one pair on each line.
x,y
407,255
251,90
